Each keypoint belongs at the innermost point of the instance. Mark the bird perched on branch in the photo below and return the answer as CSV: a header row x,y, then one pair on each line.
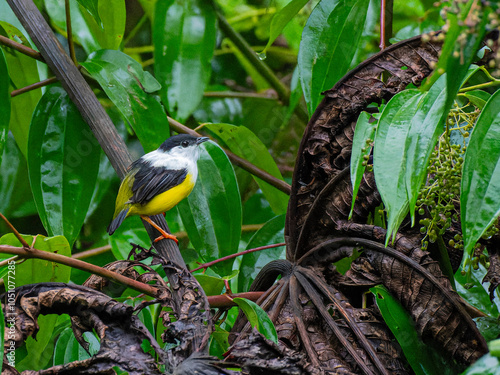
x,y
157,181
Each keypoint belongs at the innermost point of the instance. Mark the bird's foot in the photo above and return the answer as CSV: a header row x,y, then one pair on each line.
x,y
165,236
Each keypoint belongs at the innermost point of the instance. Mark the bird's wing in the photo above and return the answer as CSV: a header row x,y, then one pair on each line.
x,y
150,182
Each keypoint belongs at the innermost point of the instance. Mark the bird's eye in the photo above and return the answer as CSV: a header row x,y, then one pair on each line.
x,y
185,143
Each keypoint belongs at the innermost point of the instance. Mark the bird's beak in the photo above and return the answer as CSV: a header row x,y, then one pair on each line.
x,y
201,140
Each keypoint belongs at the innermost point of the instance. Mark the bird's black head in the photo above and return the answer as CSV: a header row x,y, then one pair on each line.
x,y
182,140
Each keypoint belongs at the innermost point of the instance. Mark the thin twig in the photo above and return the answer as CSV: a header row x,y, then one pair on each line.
x,y
16,233
21,48
206,265
81,265
92,252
386,12
69,33
33,86
240,162
234,94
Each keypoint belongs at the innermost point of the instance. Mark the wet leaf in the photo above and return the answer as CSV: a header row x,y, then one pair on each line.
x,y
246,144
92,7
130,88
130,231
422,358
480,185
425,126
272,232
486,365
67,349
389,155
63,161
281,19
258,318
364,130
23,72
329,42
211,214
184,40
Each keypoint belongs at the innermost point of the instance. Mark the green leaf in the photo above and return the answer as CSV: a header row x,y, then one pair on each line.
x,y
422,358
271,232
4,102
281,19
17,200
129,87
130,231
246,144
478,97
184,40
33,271
212,285
92,6
486,365
91,34
389,156
329,41
22,72
212,212
472,290
363,132
9,353
63,161
258,318
480,185
67,349
424,129
219,342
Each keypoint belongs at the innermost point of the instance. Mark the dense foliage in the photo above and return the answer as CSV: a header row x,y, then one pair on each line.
x,y
249,74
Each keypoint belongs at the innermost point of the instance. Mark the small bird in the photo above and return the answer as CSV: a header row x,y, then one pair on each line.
x,y
157,181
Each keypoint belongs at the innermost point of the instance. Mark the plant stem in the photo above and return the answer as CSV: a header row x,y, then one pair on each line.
x,y
206,265
235,94
33,86
136,29
262,68
69,33
81,265
386,13
21,48
16,233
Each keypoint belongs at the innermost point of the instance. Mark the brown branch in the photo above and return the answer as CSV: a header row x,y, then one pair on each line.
x,y
16,233
69,32
33,86
239,161
81,265
206,265
21,48
226,300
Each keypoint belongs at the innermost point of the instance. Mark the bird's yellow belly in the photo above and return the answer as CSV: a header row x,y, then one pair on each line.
x,y
164,201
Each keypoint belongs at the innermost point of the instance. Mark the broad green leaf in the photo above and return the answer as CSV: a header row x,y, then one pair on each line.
x,y
211,214
63,161
246,144
130,231
424,129
480,185
92,6
258,318
184,40
16,199
422,358
486,365
329,42
478,97
219,342
67,349
22,72
4,102
33,271
93,36
271,233
389,156
281,19
212,285
130,88
363,132
472,290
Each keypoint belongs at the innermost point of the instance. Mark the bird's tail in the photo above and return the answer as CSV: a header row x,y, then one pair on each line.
x,y
118,219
